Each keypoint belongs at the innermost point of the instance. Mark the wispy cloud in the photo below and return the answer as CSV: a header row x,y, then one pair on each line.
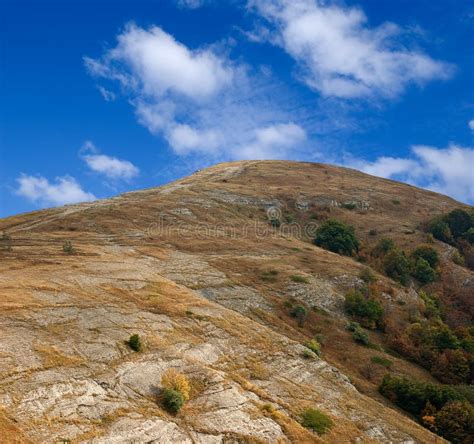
x,y
449,171
111,167
339,54
199,100
64,190
108,96
471,124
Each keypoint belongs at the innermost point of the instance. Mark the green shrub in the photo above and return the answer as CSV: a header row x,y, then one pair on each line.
x,y
349,205
457,258
367,275
380,360
68,248
358,334
298,278
275,223
423,272
440,230
300,313
459,221
135,343
469,235
337,237
269,275
314,346
316,420
368,311
383,246
428,253
173,400
397,266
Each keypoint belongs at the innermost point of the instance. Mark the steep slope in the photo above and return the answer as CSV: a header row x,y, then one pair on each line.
x,y
196,269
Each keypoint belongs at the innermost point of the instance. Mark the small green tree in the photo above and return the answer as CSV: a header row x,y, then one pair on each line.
x,y
459,221
397,266
300,313
337,237
383,246
440,230
173,400
68,248
428,253
135,342
367,310
423,271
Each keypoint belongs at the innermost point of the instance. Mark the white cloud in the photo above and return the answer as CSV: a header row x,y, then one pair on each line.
x,y
339,54
471,124
109,166
156,64
108,96
273,142
65,190
197,99
449,171
190,4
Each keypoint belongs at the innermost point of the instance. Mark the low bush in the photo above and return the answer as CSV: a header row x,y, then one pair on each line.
x,y
135,343
367,310
68,248
173,380
337,237
397,266
428,253
173,400
358,334
367,275
300,313
298,278
380,360
383,246
314,346
423,272
316,420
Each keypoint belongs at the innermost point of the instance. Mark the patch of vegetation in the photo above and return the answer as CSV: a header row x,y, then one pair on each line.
x,y
367,275
135,342
314,346
173,400
358,334
428,253
439,407
367,311
383,246
373,232
349,205
269,275
397,266
68,248
300,313
298,278
380,360
396,202
316,420
337,237
176,390
457,258
423,272
436,347
6,241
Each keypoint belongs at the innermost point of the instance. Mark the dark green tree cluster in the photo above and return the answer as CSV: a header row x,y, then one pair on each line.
x,y
366,310
439,407
456,228
337,237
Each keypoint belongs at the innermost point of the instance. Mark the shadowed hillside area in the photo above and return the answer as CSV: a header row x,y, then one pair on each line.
x,y
251,302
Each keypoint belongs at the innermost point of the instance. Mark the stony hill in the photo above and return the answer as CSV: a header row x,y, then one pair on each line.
x,y
219,277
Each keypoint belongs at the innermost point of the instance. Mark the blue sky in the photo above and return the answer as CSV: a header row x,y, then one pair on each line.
x,y
100,97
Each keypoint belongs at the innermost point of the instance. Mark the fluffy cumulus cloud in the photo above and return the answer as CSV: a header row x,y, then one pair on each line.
x,y
449,171
197,99
111,167
339,54
64,190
